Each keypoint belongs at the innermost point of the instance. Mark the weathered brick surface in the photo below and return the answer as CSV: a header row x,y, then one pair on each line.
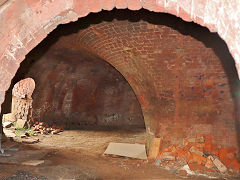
x,y
182,75
41,17
134,5
212,14
76,89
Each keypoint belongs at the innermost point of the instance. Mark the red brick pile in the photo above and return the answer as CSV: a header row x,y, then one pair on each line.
x,y
44,128
201,155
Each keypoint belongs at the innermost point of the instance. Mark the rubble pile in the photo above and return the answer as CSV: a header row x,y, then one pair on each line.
x,y
199,155
43,128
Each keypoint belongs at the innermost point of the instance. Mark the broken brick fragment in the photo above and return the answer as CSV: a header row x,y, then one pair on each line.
x,y
154,148
182,172
209,163
180,152
196,167
188,157
166,156
195,150
198,159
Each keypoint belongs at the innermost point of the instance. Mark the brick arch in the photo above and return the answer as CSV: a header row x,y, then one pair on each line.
x,y
25,23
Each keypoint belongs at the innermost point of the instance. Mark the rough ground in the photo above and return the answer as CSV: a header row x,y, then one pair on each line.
x,y
77,154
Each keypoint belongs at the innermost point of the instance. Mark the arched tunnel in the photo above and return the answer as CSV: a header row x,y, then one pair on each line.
x,y
143,76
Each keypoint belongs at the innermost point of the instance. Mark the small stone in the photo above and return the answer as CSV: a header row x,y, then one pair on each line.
x,y
189,140
7,124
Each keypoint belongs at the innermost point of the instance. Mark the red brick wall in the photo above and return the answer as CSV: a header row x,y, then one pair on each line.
x,y
25,23
182,74
75,89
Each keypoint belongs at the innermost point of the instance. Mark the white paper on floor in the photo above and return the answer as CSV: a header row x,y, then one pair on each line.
x,y
137,151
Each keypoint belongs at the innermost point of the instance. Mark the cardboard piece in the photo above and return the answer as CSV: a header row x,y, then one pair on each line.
x,y
137,151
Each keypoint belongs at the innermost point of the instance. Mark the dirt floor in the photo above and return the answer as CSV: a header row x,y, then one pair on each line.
x,y
78,155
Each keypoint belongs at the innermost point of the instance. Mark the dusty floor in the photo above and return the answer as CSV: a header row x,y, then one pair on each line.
x,y
77,154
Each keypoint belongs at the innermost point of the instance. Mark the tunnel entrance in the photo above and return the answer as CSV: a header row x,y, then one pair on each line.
x,y
77,90
172,79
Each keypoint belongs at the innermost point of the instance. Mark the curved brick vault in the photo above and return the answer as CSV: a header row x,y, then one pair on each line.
x,y
25,23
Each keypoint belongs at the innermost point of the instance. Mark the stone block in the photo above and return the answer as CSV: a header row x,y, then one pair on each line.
x,y
8,118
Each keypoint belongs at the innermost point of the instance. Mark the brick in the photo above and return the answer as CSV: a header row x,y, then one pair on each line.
x,y
5,79
94,6
9,63
172,7
134,4
198,159
166,156
186,16
220,166
149,4
209,163
81,7
198,8
121,4
235,165
154,148
107,4
196,167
